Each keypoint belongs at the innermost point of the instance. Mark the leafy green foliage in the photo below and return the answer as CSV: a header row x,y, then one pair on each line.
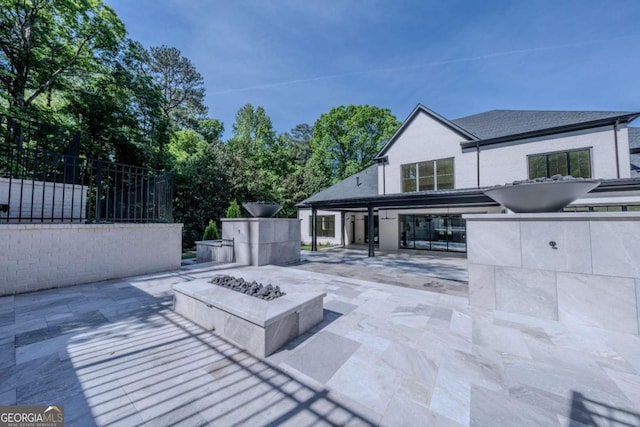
x,y
118,109
233,211
211,232
347,139
69,62
181,85
46,44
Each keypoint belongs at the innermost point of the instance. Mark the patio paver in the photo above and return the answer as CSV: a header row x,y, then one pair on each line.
x,y
384,355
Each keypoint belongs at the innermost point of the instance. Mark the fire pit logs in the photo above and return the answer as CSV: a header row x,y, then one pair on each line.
x,y
253,289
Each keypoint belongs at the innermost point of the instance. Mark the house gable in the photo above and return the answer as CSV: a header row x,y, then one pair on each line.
x,y
417,111
424,136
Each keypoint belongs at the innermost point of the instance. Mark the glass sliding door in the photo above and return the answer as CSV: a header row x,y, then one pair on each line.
x,y
457,234
433,232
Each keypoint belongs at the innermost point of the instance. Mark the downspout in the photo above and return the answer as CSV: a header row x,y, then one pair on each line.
x,y
314,223
370,231
478,163
383,161
615,138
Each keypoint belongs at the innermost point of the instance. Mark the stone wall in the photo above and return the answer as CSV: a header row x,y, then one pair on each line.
x,y
262,241
41,256
579,268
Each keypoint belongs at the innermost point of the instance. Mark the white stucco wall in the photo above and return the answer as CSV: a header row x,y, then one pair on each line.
x,y
41,256
305,219
508,163
426,139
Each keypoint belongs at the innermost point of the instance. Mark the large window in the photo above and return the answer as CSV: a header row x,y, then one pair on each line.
x,y
430,175
576,163
433,232
325,226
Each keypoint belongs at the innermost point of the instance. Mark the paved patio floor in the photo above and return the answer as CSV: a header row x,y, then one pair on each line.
x,y
440,272
114,353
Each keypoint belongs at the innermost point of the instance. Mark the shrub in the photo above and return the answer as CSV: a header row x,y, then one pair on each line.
x,y
211,232
234,210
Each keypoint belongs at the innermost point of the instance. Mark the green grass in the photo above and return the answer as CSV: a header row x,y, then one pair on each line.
x,y
188,255
305,247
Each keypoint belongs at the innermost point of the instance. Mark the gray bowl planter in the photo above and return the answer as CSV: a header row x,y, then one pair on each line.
x,y
544,196
262,209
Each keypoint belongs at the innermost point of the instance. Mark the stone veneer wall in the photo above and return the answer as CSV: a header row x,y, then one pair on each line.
x,y
591,278
41,256
262,241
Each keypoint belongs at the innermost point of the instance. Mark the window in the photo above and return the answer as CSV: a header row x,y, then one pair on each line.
x,y
429,175
325,226
444,174
576,163
408,178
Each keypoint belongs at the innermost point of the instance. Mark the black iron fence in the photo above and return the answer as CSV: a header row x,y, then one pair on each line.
x,y
41,185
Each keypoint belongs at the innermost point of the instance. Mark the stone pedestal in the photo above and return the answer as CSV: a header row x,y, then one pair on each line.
x,y
262,241
579,268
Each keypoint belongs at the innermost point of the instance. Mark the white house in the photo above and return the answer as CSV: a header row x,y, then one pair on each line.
x,y
433,170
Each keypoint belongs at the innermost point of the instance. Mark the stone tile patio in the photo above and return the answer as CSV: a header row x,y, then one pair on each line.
x,y
114,353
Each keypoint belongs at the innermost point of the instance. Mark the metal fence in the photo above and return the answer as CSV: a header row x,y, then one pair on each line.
x,y
61,186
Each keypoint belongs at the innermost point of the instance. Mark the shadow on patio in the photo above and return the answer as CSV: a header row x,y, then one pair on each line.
x,y
134,361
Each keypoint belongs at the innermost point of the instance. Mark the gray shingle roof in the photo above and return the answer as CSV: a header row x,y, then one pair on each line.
x,y
634,138
361,184
498,123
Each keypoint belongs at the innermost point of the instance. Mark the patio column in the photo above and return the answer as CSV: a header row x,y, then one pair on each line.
x,y
314,223
342,226
370,231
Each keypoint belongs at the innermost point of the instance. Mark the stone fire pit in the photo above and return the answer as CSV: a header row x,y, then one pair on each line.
x,y
258,325
253,289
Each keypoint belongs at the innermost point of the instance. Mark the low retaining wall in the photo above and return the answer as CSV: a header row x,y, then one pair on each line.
x,y
579,268
41,256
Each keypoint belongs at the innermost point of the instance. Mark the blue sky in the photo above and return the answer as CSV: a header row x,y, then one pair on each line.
x,y
300,58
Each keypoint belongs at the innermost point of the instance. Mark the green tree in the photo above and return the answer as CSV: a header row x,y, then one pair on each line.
x,y
46,44
248,155
211,232
210,129
184,146
347,138
118,108
233,211
182,86
201,184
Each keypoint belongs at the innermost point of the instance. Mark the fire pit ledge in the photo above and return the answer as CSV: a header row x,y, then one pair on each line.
x,y
259,326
